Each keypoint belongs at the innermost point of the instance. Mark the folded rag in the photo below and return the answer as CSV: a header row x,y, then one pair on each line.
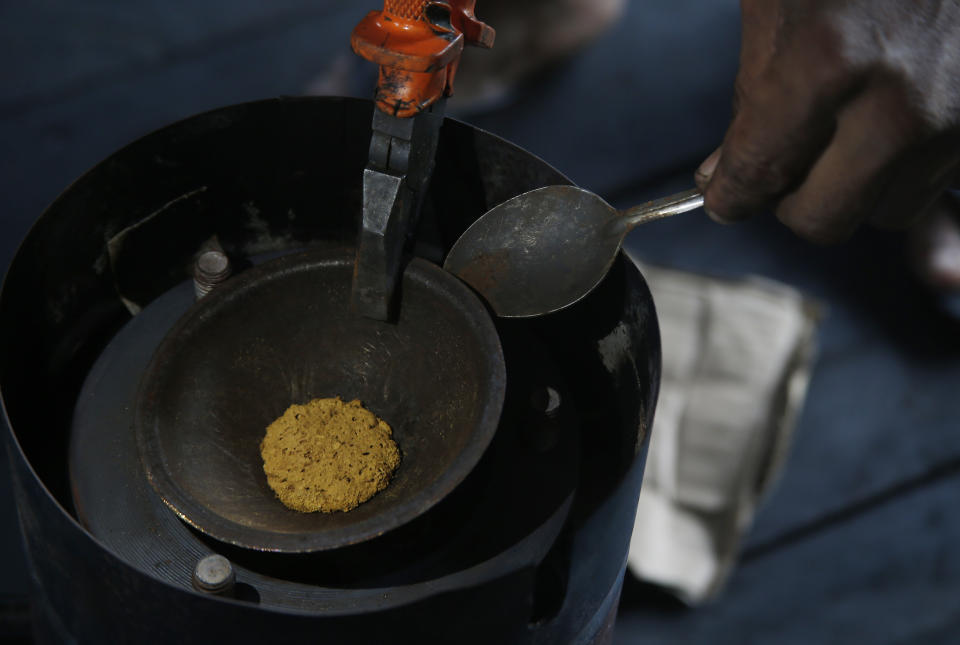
x,y
737,357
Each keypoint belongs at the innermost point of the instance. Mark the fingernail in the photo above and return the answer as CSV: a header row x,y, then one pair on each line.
x,y
709,165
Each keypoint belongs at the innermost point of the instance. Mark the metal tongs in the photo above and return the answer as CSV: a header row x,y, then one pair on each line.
x,y
417,44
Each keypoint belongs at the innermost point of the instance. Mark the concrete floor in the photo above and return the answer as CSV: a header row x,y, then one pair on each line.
x,y
858,542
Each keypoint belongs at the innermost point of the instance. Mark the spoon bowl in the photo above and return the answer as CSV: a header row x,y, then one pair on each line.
x,y
544,250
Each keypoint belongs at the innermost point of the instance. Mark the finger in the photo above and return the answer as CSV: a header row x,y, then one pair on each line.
x,y
784,121
760,27
844,185
774,139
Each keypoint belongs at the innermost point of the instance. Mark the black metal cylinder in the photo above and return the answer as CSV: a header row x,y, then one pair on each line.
x,y
270,177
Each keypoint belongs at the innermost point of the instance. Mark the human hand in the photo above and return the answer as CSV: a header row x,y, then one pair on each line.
x,y
845,111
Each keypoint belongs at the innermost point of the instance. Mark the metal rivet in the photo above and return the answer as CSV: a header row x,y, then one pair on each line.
x,y
214,574
211,269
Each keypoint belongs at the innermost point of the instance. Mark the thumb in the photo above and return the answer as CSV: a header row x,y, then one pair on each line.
x,y
704,174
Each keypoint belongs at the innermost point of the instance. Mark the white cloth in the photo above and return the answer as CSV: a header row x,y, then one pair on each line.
x,y
736,362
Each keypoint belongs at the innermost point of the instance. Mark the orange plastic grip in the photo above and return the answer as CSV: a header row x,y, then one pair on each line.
x,y
409,9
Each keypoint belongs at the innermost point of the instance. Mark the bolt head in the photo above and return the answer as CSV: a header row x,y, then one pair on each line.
x,y
210,269
213,263
214,574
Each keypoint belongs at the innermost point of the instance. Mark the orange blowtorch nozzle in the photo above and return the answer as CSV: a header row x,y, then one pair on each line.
x,y
417,44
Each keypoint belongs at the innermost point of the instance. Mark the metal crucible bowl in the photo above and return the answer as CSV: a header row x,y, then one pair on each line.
x,y
282,333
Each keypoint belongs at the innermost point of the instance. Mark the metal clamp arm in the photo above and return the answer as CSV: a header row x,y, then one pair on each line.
x,y
417,44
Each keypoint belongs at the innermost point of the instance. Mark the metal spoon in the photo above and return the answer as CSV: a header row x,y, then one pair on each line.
x,y
546,249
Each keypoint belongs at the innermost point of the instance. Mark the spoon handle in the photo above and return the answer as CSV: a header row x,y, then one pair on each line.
x,y
663,207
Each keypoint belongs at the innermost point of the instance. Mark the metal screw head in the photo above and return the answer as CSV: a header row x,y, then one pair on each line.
x,y
210,269
213,263
214,574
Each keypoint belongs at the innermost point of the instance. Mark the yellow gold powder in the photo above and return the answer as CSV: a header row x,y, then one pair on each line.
x,y
328,455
